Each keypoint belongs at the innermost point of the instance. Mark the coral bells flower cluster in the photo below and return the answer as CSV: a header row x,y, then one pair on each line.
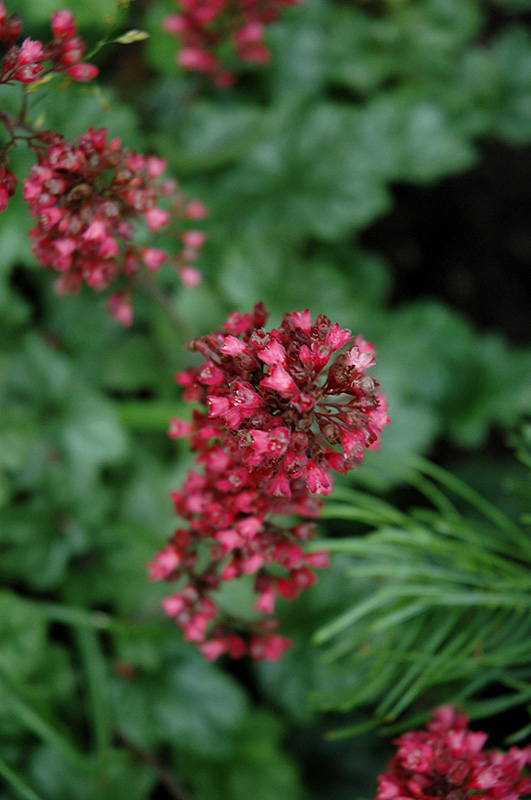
x,y
87,197
31,60
274,424
447,760
211,29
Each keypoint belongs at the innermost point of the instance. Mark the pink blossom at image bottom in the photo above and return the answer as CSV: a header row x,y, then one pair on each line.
x,y
275,419
447,760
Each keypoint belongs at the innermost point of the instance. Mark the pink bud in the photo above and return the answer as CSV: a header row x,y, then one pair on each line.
x,y
194,239
153,258
119,307
190,277
83,72
196,209
63,24
155,218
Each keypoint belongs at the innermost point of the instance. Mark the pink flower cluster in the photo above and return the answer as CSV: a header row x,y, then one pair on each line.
x,y
216,34
31,61
86,196
448,761
273,425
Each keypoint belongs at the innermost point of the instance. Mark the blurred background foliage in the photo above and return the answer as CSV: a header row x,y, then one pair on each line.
x,y
377,171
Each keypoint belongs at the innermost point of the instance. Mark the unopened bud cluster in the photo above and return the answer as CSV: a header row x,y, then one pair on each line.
x,y
276,419
217,35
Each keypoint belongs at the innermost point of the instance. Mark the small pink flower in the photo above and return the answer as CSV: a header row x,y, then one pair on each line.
x,y
190,277
84,73
153,257
119,307
194,239
63,24
268,647
280,380
196,209
156,218
165,563
194,58
30,52
179,428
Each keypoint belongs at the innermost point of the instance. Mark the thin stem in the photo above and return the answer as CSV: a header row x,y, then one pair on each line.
x,y
17,783
23,109
40,726
96,673
166,778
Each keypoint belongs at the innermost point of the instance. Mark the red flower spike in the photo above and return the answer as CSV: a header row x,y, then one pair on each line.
x,y
273,426
88,196
448,760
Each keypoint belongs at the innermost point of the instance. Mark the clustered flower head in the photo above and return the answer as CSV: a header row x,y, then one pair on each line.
x,y
87,197
217,33
275,419
447,760
31,60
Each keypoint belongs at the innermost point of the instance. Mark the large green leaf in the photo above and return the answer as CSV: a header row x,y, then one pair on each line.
x,y
186,702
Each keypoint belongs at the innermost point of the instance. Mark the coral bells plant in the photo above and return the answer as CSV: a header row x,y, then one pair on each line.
x,y
216,34
91,197
32,61
447,760
88,196
276,419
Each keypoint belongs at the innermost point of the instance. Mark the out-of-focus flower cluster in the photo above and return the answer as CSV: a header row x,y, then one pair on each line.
x,y
87,196
217,34
447,760
32,60
273,425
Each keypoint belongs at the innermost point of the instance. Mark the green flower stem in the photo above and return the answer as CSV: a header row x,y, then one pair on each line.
x,y
39,726
17,783
96,673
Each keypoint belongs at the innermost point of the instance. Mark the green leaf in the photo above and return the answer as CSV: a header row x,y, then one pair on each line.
x,y
512,54
22,636
120,773
186,701
256,753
